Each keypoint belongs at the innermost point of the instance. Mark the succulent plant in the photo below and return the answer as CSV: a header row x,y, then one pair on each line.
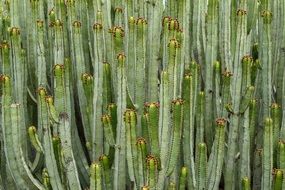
x,y
142,94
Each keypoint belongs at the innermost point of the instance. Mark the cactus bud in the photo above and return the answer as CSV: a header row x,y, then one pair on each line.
x,y
58,70
32,131
173,24
14,31
42,92
267,16
241,12
97,27
221,122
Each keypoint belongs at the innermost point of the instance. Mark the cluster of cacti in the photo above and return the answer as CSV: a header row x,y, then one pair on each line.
x,y
142,94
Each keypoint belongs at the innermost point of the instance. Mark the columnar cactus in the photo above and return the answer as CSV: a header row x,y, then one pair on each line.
x,y
142,94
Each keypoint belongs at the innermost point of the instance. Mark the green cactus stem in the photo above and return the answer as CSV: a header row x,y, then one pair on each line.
x,y
152,171
130,119
201,166
119,179
216,158
32,131
164,112
177,117
245,183
50,159
188,127
278,179
17,137
96,176
106,166
267,162
46,180
183,178
152,124
67,153
142,167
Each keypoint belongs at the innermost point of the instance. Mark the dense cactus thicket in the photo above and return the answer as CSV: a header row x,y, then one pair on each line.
x,y
142,94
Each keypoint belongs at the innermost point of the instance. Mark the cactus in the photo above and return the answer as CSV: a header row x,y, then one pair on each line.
x,y
142,94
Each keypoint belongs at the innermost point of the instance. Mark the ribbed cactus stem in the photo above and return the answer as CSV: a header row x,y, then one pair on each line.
x,y
154,14
140,72
77,147
183,178
236,84
32,131
80,68
200,118
281,155
172,66
225,34
53,114
107,85
255,71
247,92
130,119
210,57
7,131
46,179
258,156
277,32
164,117
19,68
276,123
108,131
98,89
252,124
152,171
201,166
226,94
58,49
50,159
112,111
88,87
96,181
119,15
117,35
171,185
245,183
217,156
41,60
56,143
184,16
278,179
165,40
152,124
248,95
119,179
5,58
59,87
67,153
141,163
197,17
18,140
265,41
106,166
188,127
131,58
14,13
177,123
171,8
267,162
217,89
